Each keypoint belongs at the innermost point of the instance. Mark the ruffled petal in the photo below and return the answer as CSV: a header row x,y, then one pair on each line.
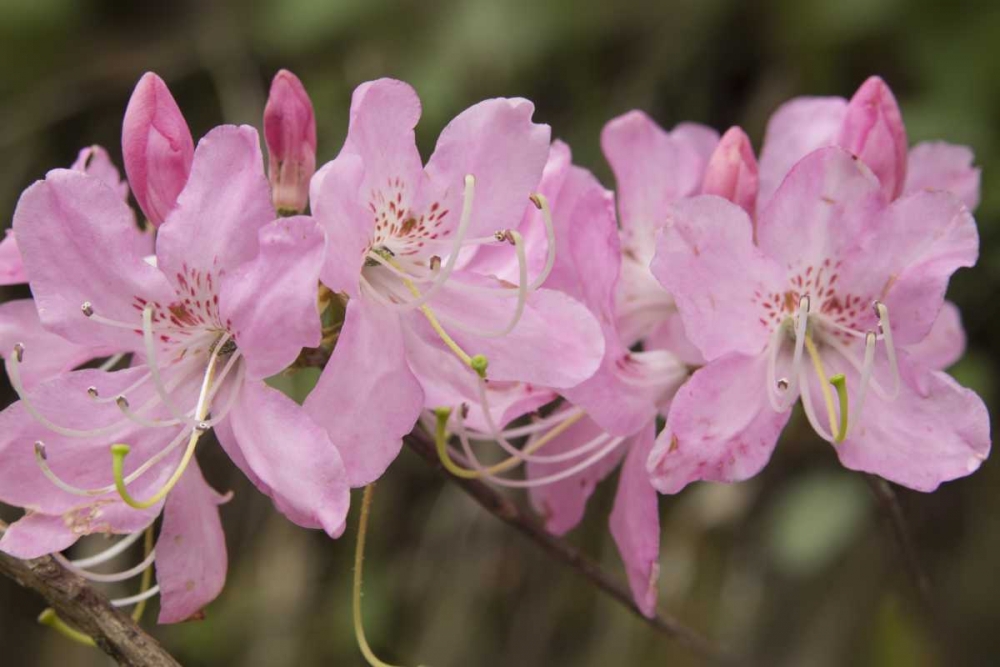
x,y
279,285
226,200
945,344
936,165
705,257
720,427
635,523
367,398
191,550
78,241
35,535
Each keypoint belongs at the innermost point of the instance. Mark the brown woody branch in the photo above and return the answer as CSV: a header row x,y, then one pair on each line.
x,y
507,511
87,610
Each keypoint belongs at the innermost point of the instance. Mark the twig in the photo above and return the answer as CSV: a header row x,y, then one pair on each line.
x,y
87,610
893,513
503,508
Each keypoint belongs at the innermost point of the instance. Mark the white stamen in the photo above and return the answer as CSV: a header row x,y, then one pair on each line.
x,y
866,376
778,401
890,350
801,326
534,427
154,368
542,203
135,599
119,547
561,475
106,578
112,361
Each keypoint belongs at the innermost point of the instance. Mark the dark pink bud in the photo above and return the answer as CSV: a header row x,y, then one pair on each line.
x,y
157,147
873,130
732,170
290,133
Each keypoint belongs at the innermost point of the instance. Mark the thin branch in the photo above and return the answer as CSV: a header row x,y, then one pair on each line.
x,y
87,610
893,513
504,509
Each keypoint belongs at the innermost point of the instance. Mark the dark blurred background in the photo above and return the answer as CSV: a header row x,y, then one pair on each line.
x,y
795,567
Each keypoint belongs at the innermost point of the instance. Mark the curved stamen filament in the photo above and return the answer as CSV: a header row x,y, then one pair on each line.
x,y
120,451
807,406
112,361
359,558
154,366
860,366
613,444
107,578
866,373
118,548
824,384
88,310
522,296
778,400
520,431
136,599
542,203
890,349
801,327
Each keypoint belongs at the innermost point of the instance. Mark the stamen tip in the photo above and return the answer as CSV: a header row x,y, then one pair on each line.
x,y
40,450
783,384
202,426
479,363
121,401
87,308
92,392
19,352
537,200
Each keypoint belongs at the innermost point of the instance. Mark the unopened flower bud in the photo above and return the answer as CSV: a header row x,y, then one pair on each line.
x,y
290,133
732,170
873,130
157,147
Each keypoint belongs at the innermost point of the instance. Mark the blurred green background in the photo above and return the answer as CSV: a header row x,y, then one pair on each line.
x,y
794,567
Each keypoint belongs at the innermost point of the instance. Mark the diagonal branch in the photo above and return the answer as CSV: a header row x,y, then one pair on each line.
x,y
87,610
504,509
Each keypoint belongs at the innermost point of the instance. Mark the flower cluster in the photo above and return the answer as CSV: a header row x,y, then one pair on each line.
x,y
495,296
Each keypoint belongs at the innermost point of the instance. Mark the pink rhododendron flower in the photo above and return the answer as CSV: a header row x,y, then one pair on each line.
x,y
290,133
605,419
653,168
834,303
403,241
200,315
157,147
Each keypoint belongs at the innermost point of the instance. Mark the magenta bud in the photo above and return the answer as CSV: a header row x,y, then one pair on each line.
x,y
290,133
157,147
732,170
873,130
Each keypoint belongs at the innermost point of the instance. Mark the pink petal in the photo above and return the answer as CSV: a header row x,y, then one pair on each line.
x,y
922,240
47,354
497,142
191,550
383,115
945,344
937,165
294,458
349,226
79,245
290,133
95,161
83,461
821,211
226,201
562,503
706,258
635,523
35,535
279,285
720,428
557,342
11,265
367,398
669,335
732,171
797,128
702,139
157,147
873,130
653,167
933,432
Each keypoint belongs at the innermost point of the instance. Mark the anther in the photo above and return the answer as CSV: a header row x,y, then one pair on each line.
x,y
40,450
19,352
464,410
122,402
435,263
92,392
87,308
783,384
536,199
500,234
202,426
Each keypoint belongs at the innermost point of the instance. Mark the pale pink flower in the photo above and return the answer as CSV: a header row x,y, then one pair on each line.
x,y
403,242
838,301
200,316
